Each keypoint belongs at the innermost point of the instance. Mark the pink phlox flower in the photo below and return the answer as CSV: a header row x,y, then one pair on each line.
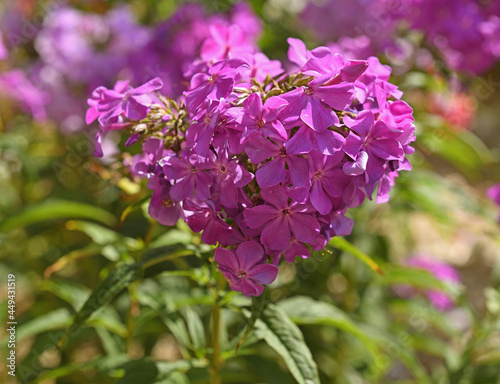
x,y
246,269
190,173
228,176
262,119
209,218
216,84
122,99
274,171
162,207
279,219
148,165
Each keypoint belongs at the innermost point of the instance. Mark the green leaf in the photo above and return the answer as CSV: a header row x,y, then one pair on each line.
x,y
304,310
195,328
158,255
175,378
285,337
57,319
177,326
99,234
267,370
146,371
167,368
461,150
112,344
139,371
344,245
388,342
107,321
57,209
100,363
70,292
117,279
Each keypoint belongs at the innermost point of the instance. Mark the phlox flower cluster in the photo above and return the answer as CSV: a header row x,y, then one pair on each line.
x,y
264,163
76,51
462,33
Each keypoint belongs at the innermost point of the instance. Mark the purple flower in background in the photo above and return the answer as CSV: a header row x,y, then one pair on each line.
x,y
4,54
494,194
246,270
463,33
225,42
17,86
441,271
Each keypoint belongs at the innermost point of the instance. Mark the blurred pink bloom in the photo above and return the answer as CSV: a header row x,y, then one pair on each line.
x,y
15,85
494,194
3,51
441,271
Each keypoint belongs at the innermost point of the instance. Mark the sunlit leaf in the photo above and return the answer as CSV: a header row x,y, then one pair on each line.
x,y
344,245
50,321
57,209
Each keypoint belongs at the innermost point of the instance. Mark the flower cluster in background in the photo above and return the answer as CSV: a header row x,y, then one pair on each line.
x,y
56,84
462,33
261,161
493,194
441,271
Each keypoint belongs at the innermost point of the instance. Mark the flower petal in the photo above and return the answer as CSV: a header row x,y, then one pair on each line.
x,y
249,253
264,273
271,173
304,226
257,216
276,235
226,258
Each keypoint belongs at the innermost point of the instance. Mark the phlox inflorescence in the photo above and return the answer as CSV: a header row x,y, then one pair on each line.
x,y
263,162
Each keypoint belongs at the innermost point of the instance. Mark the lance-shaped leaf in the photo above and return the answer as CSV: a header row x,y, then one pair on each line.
x,y
276,328
304,310
118,278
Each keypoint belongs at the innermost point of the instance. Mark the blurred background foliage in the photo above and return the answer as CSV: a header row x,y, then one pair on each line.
x,y
69,226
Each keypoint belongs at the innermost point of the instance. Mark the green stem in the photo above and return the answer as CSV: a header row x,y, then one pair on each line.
x,y
216,361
